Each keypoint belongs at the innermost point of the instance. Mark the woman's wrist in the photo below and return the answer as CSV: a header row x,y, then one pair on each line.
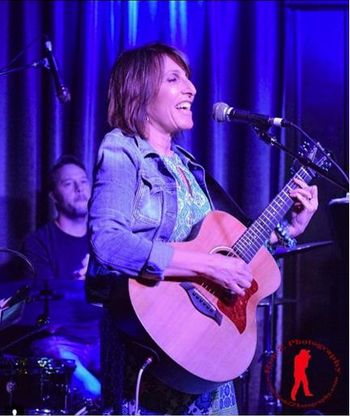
x,y
284,235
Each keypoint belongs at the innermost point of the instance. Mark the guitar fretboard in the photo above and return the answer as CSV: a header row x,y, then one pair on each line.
x,y
255,236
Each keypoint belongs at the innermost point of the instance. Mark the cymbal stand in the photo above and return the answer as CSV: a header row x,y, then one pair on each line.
x,y
44,318
268,404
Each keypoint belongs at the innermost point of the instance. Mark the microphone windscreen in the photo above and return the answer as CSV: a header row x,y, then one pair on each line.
x,y
220,111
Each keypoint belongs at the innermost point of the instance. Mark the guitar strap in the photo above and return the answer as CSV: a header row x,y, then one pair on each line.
x,y
100,290
223,202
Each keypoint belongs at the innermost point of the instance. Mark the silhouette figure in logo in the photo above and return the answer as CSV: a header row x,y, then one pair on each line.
x,y
301,363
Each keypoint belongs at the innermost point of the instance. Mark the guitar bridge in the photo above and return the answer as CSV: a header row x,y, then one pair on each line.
x,y
201,303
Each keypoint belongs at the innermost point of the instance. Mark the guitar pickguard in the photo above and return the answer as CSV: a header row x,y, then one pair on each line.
x,y
235,307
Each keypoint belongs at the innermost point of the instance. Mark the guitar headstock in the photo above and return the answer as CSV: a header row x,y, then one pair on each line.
x,y
315,154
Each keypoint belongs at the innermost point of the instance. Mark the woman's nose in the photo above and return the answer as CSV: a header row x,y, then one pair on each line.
x,y
189,88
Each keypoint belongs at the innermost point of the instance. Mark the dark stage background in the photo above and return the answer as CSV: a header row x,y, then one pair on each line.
x,y
284,58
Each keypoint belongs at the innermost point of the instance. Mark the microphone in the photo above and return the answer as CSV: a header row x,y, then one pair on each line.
x,y
63,93
223,112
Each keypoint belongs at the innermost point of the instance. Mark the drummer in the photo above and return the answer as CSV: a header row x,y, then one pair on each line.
x,y
58,251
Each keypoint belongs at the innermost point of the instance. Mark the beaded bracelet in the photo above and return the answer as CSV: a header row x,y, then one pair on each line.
x,y
284,239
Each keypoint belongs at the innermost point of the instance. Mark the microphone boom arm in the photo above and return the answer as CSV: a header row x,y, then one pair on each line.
x,y
42,63
263,134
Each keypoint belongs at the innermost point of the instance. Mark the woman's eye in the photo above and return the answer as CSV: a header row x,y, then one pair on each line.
x,y
172,79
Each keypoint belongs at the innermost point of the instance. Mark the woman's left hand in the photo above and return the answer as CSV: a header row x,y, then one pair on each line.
x,y
306,204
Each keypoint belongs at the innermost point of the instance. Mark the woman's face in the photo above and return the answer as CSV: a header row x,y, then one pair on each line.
x,y
170,111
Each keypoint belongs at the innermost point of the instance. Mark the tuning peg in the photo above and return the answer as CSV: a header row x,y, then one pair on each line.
x,y
304,149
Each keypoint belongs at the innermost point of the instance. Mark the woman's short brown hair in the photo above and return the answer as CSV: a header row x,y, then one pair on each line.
x,y
135,80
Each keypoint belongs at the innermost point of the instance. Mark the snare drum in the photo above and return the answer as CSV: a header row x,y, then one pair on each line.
x,y
35,385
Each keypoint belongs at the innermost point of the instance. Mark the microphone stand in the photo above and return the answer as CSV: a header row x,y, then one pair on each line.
x,y
42,63
269,404
263,134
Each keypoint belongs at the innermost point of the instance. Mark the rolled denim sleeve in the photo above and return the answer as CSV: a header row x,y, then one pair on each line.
x,y
113,242
158,260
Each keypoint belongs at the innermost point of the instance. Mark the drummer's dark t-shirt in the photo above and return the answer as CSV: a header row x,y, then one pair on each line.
x,y
54,253
55,256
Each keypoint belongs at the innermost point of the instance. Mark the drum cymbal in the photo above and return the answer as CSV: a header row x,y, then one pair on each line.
x,y
46,294
282,252
56,289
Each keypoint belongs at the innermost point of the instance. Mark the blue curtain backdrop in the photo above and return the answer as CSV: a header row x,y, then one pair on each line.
x,y
238,53
283,58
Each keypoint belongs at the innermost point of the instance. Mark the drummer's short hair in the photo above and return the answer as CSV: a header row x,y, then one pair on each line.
x,y
60,162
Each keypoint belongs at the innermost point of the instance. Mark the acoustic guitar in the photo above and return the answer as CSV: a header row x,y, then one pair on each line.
x,y
203,335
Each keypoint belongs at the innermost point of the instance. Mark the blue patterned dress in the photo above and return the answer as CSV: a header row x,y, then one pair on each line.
x,y
155,397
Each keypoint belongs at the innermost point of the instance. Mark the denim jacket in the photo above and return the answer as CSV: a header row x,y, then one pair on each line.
x,y
133,209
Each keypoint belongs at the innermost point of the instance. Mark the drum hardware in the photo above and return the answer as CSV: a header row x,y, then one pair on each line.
x,y
89,407
269,404
16,253
241,384
13,313
10,389
35,385
45,295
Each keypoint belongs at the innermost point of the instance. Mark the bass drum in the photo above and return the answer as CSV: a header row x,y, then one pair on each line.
x,y
35,385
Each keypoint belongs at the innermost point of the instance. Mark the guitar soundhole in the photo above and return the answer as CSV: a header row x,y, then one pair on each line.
x,y
223,250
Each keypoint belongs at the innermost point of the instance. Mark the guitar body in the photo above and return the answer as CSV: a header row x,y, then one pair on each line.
x,y
206,337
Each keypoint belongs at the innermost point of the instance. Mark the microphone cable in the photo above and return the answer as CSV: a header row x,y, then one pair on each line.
x,y
148,362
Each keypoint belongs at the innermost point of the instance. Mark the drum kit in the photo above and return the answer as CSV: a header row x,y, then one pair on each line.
x,y
29,384
32,385
35,385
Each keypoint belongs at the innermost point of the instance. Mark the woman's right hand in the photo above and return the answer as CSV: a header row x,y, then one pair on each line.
x,y
231,273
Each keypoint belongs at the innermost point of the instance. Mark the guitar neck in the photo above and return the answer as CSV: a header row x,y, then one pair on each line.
x,y
255,236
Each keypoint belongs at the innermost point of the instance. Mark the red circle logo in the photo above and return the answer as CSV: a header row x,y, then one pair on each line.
x,y
311,373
